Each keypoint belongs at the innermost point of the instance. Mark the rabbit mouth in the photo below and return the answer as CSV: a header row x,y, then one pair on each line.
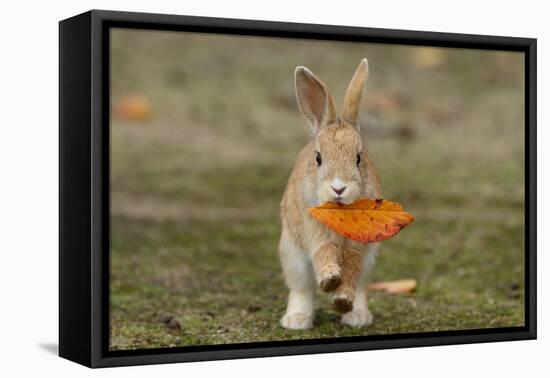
x,y
340,201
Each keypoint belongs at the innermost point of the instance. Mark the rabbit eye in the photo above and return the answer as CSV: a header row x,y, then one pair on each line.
x,y
358,159
318,158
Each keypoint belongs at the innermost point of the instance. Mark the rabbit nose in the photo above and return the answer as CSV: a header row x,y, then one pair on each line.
x,y
339,191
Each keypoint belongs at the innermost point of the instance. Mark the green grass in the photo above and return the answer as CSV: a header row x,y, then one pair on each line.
x,y
196,190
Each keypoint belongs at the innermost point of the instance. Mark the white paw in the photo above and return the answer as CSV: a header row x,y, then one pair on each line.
x,y
297,320
357,319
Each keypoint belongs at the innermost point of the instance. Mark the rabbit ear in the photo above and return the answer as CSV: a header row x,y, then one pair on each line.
x,y
354,93
313,98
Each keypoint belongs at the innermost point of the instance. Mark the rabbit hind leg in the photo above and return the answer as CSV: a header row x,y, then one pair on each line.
x,y
299,278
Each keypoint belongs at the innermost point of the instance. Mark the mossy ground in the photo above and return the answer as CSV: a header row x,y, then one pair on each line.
x,y
195,190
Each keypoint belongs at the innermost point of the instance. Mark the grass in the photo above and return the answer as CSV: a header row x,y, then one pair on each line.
x,y
195,190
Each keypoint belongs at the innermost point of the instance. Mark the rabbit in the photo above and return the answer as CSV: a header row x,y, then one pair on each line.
x,y
333,166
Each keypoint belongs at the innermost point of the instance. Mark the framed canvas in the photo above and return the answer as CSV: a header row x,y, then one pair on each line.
x,y
234,188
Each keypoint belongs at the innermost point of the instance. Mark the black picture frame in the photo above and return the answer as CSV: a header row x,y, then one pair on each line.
x,y
84,187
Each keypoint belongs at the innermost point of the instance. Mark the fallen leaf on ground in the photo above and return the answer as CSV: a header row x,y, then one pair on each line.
x,y
366,220
394,287
135,107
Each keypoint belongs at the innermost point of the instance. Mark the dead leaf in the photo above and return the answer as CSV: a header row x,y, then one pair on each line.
x,y
394,287
366,220
135,107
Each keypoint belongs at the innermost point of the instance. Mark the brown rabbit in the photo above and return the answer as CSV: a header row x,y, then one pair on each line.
x,y
333,166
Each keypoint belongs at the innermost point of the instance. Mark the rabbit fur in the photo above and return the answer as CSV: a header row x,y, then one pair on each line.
x,y
333,166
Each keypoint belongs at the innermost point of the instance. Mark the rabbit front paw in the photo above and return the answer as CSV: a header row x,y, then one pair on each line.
x,y
297,320
329,278
342,302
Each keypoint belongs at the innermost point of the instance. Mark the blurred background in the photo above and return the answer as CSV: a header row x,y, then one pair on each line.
x,y
204,133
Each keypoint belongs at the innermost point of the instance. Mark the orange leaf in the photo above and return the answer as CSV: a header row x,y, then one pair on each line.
x,y
133,107
394,287
366,220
